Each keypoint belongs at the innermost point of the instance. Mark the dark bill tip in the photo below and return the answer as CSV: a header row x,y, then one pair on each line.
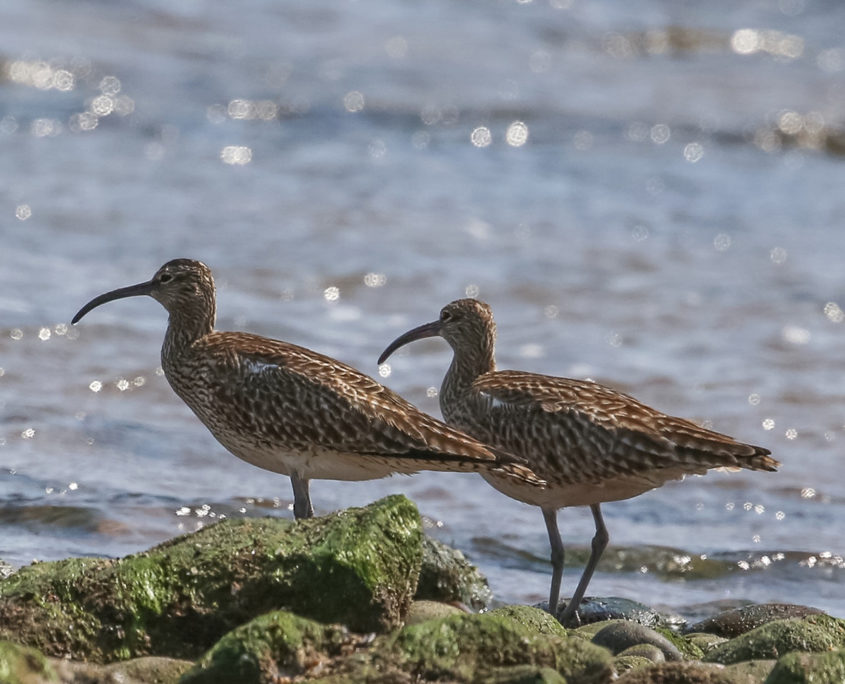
x,y
131,291
428,330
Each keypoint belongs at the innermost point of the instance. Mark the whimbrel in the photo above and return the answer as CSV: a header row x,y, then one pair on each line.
x,y
590,443
289,409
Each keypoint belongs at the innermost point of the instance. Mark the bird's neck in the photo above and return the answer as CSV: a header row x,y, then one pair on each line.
x,y
185,327
458,400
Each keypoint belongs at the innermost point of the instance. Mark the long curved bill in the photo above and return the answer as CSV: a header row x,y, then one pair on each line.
x,y
427,330
131,291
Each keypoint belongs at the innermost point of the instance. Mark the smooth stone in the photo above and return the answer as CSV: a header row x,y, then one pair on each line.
x,y
732,623
420,611
622,635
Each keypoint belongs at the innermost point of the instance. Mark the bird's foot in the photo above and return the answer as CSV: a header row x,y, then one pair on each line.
x,y
569,616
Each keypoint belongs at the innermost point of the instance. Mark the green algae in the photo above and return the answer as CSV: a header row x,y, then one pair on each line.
x,y
22,665
535,619
358,567
803,668
814,633
422,611
689,649
466,648
272,646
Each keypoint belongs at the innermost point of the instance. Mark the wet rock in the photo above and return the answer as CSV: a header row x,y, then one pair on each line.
x,y
446,575
595,609
814,633
800,668
420,611
622,635
273,646
5,569
358,567
732,623
648,651
501,646
678,673
695,612
469,648
22,665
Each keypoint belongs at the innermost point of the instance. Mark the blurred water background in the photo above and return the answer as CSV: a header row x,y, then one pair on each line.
x,y
649,195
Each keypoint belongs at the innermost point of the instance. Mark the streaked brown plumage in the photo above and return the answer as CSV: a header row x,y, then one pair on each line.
x,y
590,443
291,410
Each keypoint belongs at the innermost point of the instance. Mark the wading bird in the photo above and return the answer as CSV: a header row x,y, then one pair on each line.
x,y
288,409
590,443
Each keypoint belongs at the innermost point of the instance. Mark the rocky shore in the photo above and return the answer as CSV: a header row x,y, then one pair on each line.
x,y
363,595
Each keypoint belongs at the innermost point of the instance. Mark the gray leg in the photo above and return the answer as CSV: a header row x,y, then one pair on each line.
x,y
550,516
301,498
599,545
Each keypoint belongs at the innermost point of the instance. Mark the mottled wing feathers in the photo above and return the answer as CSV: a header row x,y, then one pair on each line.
x,y
593,432
297,397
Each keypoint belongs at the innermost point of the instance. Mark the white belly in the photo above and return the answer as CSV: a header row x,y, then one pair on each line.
x,y
315,463
562,495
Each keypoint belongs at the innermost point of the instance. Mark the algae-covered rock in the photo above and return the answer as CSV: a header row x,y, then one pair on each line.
x,y
628,663
814,633
145,670
706,642
468,648
510,645
22,665
750,671
358,567
683,672
803,668
272,646
689,649
531,618
420,611
732,623
589,631
526,674
446,575
648,651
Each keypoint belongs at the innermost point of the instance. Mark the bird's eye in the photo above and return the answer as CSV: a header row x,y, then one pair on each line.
x,y
445,316
165,278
